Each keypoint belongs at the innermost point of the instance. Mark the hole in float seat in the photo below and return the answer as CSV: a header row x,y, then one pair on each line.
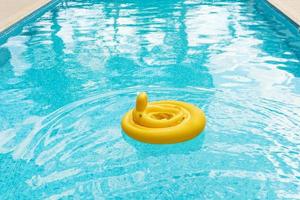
x,y
162,116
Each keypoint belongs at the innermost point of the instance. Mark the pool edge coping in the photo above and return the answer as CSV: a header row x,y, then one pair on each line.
x,y
23,13
26,15
285,11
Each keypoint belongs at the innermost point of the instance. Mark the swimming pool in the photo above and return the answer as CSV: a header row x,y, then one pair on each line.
x,y
68,77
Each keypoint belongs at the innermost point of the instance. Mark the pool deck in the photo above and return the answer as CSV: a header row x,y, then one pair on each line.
x,y
12,11
291,8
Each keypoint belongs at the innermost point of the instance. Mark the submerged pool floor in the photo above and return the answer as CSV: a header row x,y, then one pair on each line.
x,y
67,78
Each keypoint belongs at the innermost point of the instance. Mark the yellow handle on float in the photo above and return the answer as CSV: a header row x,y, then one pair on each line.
x,y
156,116
141,102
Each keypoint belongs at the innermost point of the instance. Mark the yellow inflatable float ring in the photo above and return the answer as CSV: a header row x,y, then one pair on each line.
x,y
163,122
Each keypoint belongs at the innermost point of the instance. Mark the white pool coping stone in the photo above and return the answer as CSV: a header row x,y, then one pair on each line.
x,y
12,11
291,8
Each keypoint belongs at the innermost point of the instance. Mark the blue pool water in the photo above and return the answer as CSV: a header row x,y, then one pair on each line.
x,y
67,78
